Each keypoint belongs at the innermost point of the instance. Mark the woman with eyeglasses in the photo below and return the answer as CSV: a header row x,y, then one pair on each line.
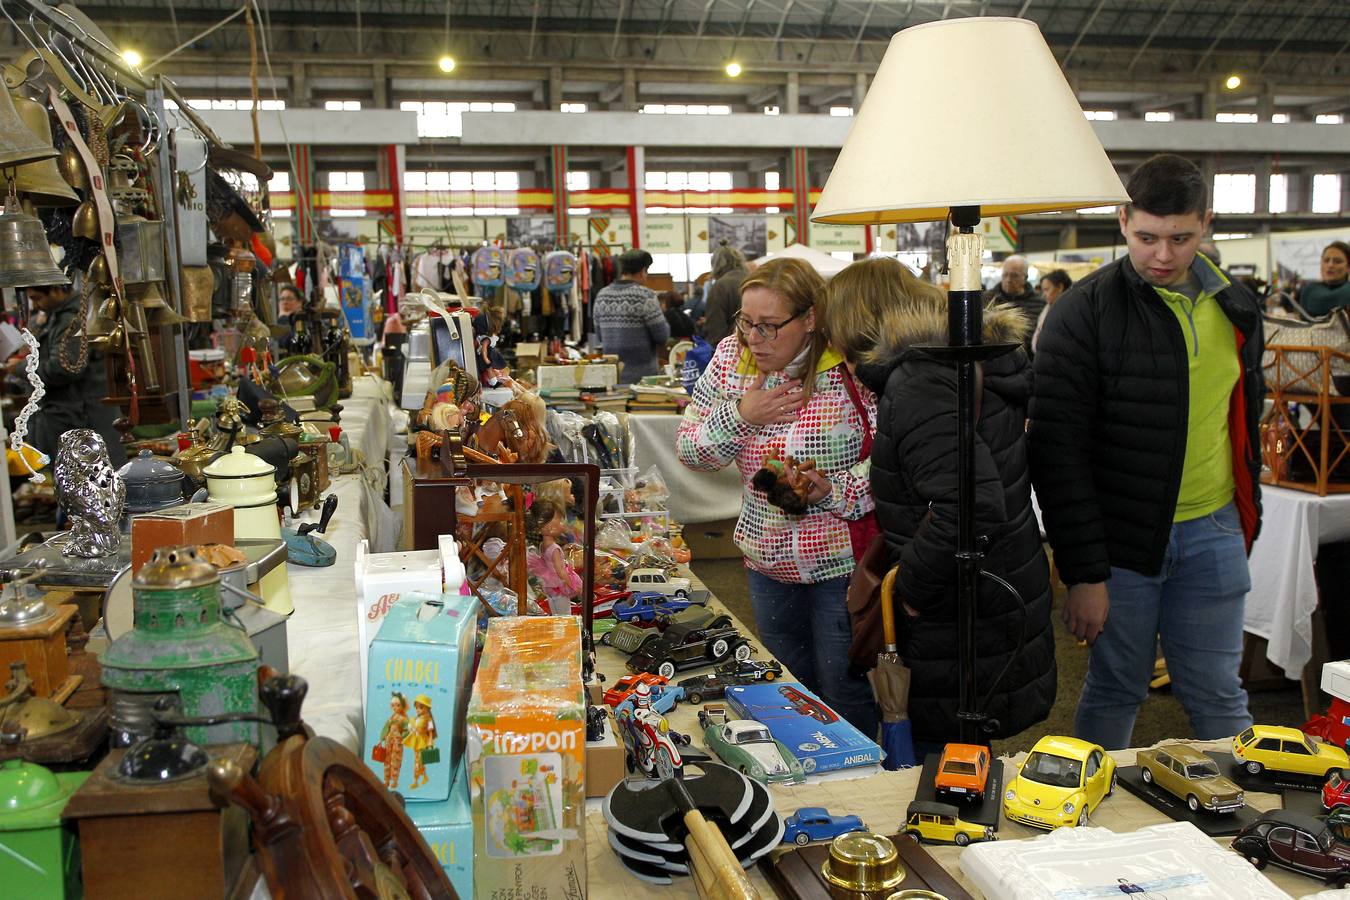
x,y
774,389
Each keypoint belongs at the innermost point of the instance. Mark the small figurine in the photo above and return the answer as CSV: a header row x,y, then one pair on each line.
x,y
543,528
451,407
389,751
783,484
91,492
519,427
421,740
653,749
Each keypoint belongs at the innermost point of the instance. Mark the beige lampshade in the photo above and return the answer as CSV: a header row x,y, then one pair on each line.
x,y
967,112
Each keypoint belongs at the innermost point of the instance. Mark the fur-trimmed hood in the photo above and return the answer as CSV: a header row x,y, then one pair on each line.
x,y
902,334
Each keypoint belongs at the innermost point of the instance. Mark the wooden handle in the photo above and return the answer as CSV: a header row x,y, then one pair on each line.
x,y
716,872
888,610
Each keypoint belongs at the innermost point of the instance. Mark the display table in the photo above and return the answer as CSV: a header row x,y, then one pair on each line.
x,y
694,496
365,417
1284,587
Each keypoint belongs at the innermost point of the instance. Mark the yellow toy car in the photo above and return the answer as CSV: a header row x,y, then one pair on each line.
x,y
1283,749
1061,783
929,821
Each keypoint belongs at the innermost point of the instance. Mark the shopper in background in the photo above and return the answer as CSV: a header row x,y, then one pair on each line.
x,y
1333,292
629,319
877,315
724,297
778,389
74,375
1053,284
681,326
1015,290
1144,454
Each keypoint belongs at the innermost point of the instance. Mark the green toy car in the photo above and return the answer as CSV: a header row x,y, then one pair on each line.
x,y
628,636
747,746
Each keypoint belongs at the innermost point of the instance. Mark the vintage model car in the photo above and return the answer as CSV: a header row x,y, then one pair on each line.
x,y
815,823
682,647
929,821
748,747
1061,782
1295,841
697,615
653,579
628,636
1281,749
748,671
624,687
1336,792
644,605
962,771
1190,775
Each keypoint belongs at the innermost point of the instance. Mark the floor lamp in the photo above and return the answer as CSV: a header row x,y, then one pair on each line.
x,y
967,118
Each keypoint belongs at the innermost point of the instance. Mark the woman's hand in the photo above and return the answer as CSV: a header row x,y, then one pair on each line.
x,y
806,481
778,406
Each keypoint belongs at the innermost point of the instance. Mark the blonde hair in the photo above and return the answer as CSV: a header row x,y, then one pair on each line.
x,y
802,288
868,304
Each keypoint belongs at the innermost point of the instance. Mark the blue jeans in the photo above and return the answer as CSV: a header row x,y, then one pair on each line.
x,y
806,627
1195,605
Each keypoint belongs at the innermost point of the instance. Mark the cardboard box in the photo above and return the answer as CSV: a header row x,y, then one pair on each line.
x,y
381,579
605,765
187,525
421,667
447,827
815,734
527,755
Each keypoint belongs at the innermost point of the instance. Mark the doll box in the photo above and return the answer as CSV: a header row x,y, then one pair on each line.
x,y
421,667
381,578
527,756
447,827
818,736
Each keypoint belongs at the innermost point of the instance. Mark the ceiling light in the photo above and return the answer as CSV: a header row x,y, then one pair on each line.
x,y
132,58
447,63
733,69
1233,82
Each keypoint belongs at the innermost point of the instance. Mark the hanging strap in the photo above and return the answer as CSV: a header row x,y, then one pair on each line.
x,y
866,449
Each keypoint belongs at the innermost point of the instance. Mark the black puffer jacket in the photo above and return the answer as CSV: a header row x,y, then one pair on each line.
x,y
914,482
1109,419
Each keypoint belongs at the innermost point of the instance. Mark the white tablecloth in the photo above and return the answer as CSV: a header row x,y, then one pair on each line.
x,y
694,496
321,633
1284,587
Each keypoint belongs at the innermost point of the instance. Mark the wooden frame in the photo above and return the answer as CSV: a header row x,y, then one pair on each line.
x,y
1282,438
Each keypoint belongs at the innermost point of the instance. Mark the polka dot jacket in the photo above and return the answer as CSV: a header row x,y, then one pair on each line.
x,y
794,549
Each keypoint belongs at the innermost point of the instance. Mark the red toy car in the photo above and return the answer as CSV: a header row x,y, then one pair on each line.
x,y
808,706
1336,792
625,686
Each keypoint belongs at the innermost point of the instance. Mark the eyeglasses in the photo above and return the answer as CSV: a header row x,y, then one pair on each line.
x,y
767,331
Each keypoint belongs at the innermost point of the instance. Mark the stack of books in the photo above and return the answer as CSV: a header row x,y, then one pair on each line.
x,y
563,398
651,398
611,399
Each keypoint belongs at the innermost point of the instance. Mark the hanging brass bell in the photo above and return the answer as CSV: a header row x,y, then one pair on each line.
x,y
25,256
71,167
40,181
157,309
85,221
99,271
18,143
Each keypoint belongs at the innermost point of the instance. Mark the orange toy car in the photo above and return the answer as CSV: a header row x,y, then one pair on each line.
x,y
962,771
628,683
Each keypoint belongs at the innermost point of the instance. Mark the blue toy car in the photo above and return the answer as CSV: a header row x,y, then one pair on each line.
x,y
644,606
814,823
664,697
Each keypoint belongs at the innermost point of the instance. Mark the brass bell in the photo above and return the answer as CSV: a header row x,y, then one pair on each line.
x,y
25,256
18,143
157,308
85,221
40,181
71,167
99,271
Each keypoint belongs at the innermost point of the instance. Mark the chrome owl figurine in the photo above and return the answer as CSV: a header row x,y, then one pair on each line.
x,y
91,492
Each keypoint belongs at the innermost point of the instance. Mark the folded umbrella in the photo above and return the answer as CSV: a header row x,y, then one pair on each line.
x,y
890,684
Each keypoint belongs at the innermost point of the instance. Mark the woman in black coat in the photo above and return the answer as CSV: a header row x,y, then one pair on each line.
x,y
877,315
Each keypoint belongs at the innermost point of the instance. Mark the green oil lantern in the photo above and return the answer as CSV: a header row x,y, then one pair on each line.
x,y
180,647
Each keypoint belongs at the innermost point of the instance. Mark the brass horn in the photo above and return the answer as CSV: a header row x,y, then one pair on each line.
x,y
25,256
40,181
